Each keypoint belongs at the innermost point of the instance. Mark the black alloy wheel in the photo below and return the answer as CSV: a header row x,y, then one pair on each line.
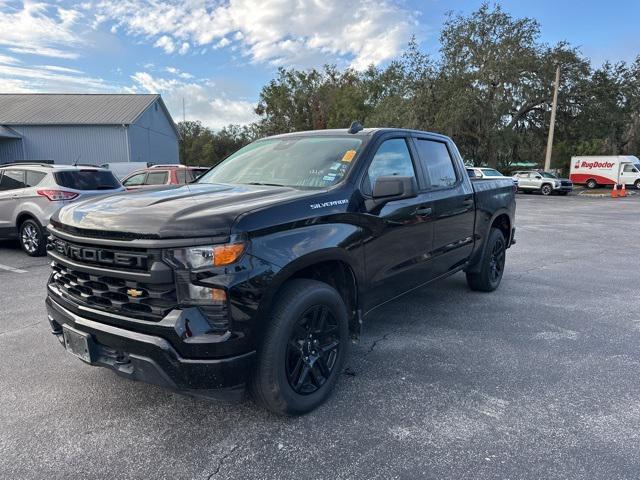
x,y
488,273
497,260
303,348
312,350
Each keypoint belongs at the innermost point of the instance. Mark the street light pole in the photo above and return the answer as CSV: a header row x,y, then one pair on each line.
x,y
554,105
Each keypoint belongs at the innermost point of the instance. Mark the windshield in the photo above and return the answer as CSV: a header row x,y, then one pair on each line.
x,y
490,172
87,179
300,162
548,175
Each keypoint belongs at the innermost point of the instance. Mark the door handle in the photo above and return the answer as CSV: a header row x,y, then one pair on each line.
x,y
424,211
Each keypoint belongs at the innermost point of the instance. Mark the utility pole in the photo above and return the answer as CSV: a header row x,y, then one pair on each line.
x,y
552,124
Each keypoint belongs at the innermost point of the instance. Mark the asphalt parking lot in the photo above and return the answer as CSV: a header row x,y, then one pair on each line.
x,y
539,379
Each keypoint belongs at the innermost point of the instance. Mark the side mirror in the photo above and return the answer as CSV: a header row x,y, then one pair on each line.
x,y
538,177
386,189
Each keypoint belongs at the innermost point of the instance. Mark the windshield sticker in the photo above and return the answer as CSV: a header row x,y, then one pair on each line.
x,y
348,156
329,178
335,166
333,203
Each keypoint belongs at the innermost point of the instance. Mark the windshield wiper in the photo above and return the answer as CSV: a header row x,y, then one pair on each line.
x,y
266,184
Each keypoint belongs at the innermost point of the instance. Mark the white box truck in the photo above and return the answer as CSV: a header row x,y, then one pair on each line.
x,y
606,170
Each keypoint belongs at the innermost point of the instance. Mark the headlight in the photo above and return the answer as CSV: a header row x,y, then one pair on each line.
x,y
557,184
207,256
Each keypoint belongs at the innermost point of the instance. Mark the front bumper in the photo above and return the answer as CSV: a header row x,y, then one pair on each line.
x,y
152,359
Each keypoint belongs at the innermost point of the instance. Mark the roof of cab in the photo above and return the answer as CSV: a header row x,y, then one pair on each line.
x,y
365,132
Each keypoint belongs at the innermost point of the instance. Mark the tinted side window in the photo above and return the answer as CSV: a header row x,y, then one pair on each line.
x,y
437,161
12,179
34,178
392,158
156,178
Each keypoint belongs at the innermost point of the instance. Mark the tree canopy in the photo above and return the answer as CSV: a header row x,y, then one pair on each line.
x,y
490,89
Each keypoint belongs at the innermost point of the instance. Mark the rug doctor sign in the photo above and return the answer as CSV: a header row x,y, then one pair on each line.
x,y
606,170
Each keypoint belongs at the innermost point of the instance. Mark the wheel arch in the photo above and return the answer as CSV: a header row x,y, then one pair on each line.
x,y
331,266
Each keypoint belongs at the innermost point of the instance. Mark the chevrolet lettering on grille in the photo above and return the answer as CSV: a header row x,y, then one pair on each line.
x,y
99,255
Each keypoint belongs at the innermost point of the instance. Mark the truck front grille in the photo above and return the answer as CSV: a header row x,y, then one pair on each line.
x,y
113,294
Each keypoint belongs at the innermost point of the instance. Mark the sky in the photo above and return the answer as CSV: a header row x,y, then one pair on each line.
x,y
217,54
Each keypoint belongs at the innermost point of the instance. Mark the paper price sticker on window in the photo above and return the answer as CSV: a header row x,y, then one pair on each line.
x,y
348,155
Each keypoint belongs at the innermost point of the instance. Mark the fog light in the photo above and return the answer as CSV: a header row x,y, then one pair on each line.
x,y
206,295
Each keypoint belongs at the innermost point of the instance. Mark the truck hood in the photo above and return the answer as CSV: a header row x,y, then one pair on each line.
x,y
196,210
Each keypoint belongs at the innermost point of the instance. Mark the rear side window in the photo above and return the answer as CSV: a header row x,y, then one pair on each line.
x,y
156,178
183,176
437,161
12,179
392,158
87,179
34,178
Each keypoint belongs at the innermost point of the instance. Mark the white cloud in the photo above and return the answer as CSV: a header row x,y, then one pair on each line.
x,y
202,101
166,44
18,77
39,28
281,32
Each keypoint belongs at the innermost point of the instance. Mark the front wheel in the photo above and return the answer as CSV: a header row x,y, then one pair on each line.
x,y
491,264
303,349
32,239
637,184
546,190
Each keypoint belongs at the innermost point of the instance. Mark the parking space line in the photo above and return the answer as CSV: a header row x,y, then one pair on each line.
x,y
11,269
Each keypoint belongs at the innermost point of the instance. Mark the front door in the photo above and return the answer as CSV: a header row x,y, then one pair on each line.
x,y
396,253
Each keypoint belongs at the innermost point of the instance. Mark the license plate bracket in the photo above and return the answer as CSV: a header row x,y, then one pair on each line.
x,y
78,343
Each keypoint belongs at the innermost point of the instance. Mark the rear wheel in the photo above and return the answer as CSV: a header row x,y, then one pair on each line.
x,y
546,189
491,265
591,183
31,237
303,349
637,184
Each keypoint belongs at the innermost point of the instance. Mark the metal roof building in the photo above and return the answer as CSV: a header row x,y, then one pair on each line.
x,y
86,128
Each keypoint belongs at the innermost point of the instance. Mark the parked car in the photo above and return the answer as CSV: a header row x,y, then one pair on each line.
x,y
484,172
262,271
123,169
606,170
544,182
31,193
157,175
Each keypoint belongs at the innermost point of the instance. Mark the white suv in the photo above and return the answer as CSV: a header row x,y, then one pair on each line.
x,y
31,192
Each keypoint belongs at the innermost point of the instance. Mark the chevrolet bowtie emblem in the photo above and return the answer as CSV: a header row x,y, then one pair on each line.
x,y
132,292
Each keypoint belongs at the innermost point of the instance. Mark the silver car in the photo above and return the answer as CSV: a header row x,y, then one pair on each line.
x,y
544,182
31,192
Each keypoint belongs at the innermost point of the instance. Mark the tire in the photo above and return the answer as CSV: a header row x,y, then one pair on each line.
x,y
291,376
491,264
591,184
637,184
32,239
546,189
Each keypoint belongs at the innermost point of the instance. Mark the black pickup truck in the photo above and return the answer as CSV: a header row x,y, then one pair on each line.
x,y
261,272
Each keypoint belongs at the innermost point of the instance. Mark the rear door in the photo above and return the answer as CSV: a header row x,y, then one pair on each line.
x,y
396,255
12,187
451,194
